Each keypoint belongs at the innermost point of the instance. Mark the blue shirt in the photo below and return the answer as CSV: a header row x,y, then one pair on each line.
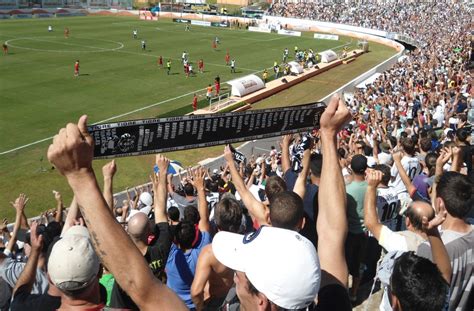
x,y
181,267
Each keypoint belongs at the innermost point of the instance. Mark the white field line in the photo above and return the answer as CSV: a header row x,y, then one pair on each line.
x,y
121,45
111,118
64,43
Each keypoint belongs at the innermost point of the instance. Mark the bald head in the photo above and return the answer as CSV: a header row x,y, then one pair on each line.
x,y
416,211
138,226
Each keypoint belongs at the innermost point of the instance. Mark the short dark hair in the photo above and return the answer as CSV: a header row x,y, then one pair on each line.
x,y
462,134
425,144
341,152
385,169
430,161
367,150
173,213
286,210
185,234
213,187
418,283
275,184
457,192
408,145
316,164
228,215
191,214
188,189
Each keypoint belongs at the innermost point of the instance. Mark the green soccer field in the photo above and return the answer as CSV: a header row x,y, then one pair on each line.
x,y
118,81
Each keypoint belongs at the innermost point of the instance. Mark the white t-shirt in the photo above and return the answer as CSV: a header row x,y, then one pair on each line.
x,y
212,198
439,114
392,241
388,207
412,168
385,158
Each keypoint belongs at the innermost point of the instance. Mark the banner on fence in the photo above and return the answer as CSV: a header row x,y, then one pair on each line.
x,y
149,136
220,24
258,29
200,23
326,36
180,20
289,33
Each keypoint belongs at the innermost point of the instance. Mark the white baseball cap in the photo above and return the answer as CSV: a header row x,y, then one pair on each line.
x,y
280,263
73,263
146,198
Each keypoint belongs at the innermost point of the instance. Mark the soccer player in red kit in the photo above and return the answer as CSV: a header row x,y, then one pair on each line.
x,y
76,68
201,65
66,32
227,58
160,61
186,69
5,49
195,102
217,85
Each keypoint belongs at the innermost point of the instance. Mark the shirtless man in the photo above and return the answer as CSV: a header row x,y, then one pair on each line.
x,y
228,217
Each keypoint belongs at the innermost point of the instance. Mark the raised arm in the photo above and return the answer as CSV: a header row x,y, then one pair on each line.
x,y
170,182
375,151
438,250
256,208
332,218
28,276
300,183
109,170
371,219
442,159
71,216
59,206
251,178
457,160
19,206
285,152
71,153
160,188
197,180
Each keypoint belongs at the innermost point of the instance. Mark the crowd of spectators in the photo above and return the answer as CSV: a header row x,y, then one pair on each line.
x,y
383,189
404,17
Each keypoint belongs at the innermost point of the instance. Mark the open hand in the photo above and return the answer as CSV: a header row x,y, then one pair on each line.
x,y
20,203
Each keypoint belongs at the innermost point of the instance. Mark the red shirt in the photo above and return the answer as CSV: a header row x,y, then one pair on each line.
x,y
76,66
